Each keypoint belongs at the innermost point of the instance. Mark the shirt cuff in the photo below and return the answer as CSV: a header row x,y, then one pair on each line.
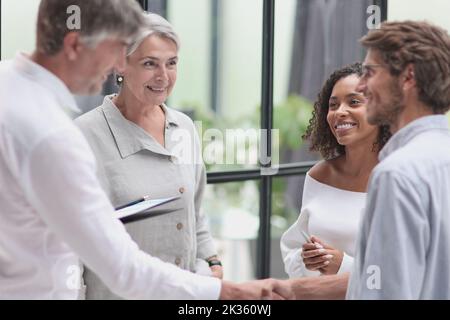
x,y
202,268
346,265
209,289
206,250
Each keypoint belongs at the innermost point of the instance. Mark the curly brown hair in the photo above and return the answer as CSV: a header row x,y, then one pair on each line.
x,y
319,132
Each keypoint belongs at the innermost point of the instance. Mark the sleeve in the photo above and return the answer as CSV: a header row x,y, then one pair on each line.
x,y
61,185
292,240
392,243
291,248
346,264
205,243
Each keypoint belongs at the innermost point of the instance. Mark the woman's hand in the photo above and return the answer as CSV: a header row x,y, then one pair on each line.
x,y
217,272
318,256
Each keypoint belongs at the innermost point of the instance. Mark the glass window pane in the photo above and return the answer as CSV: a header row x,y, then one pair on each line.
x,y
286,204
435,11
219,76
233,213
312,39
18,26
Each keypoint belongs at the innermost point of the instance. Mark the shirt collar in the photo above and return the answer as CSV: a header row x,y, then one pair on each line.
x,y
129,137
47,79
411,130
171,118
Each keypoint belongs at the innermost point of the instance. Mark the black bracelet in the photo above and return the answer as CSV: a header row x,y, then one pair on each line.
x,y
214,263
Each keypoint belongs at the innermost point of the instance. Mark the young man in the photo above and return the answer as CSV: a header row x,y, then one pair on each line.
x,y
53,211
403,250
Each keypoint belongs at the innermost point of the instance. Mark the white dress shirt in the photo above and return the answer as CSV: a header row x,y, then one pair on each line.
x,y
332,215
53,210
403,249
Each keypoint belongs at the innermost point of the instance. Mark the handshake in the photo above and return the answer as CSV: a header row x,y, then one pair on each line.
x,y
267,289
306,288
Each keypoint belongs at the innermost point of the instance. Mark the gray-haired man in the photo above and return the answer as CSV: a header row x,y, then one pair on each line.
x,y
53,211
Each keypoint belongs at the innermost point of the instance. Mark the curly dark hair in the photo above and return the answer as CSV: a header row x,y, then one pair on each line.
x,y
319,132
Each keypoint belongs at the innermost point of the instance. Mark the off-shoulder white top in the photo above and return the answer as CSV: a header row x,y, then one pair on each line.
x,y
329,213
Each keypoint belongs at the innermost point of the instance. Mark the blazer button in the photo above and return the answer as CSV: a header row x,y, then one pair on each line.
x,y
179,226
181,190
177,261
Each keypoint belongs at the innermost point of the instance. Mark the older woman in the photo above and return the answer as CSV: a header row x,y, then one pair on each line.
x,y
322,240
144,148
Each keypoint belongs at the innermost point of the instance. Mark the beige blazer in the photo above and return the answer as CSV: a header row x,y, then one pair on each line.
x,y
132,164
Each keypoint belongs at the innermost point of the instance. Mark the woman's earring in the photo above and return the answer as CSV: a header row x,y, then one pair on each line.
x,y
119,79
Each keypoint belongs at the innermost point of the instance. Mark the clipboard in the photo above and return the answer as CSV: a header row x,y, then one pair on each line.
x,y
145,209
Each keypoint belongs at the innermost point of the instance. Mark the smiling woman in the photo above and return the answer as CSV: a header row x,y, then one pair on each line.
x,y
347,113
135,138
335,189
320,132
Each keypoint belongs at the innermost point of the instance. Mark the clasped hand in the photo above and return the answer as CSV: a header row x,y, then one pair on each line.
x,y
318,256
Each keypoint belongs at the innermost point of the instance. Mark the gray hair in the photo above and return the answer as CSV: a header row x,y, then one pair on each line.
x,y
99,20
154,25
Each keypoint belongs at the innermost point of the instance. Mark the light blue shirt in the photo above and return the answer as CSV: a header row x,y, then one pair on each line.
x,y
403,248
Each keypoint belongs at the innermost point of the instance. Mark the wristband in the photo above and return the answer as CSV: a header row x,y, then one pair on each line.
x,y
214,263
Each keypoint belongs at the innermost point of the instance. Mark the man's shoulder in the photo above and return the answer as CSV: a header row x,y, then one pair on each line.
x,y
5,67
418,159
29,113
14,87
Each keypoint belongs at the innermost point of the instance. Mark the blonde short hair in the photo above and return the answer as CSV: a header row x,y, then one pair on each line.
x,y
154,25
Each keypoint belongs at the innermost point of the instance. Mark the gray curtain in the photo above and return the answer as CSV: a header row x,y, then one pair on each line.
x,y
325,38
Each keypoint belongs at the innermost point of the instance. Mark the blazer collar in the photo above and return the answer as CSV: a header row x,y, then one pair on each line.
x,y
129,137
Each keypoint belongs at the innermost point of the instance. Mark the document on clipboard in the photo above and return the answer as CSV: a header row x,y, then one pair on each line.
x,y
144,209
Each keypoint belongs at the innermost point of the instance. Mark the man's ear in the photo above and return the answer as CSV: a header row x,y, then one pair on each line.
x,y
72,45
408,76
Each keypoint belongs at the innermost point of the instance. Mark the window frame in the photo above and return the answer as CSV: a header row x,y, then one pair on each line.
x,y
263,253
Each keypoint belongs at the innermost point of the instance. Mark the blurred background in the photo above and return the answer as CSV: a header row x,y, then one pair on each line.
x,y
220,76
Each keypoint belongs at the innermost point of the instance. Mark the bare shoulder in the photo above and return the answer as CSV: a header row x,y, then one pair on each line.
x,y
320,170
324,170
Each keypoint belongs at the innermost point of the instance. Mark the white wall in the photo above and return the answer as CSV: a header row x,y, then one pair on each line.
x,y
18,19
191,21
284,35
240,53
436,11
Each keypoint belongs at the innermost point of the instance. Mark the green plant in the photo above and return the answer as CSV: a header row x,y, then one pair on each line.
x,y
292,118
